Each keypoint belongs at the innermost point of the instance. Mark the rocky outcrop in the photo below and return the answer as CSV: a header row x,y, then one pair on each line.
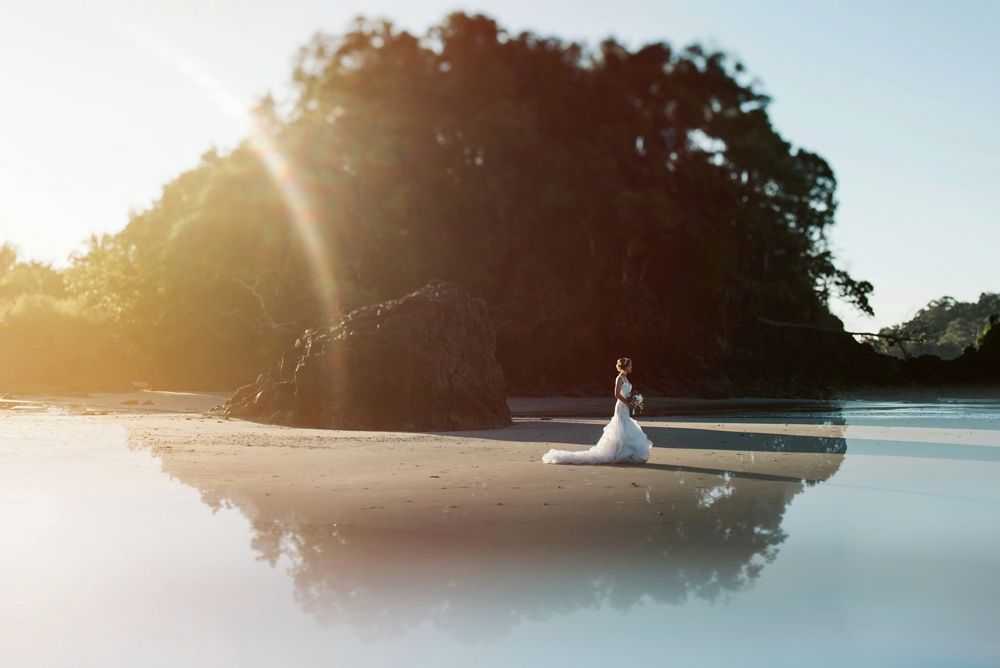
x,y
421,363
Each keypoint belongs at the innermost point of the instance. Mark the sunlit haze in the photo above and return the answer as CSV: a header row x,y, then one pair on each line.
x,y
105,102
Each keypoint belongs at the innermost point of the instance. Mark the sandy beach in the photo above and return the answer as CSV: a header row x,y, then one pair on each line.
x,y
482,485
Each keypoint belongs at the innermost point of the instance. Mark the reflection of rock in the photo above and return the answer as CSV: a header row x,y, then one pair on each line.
x,y
695,533
422,363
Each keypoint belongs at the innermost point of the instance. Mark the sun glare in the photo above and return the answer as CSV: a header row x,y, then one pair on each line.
x,y
294,192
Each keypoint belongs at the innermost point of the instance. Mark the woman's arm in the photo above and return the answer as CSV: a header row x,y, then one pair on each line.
x,y
618,391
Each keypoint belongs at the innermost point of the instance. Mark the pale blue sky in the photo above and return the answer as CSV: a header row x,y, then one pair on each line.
x,y
104,103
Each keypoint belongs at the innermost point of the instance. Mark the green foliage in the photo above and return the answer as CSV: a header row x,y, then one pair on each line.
x,y
46,338
8,258
990,329
202,285
944,328
58,342
601,201
26,278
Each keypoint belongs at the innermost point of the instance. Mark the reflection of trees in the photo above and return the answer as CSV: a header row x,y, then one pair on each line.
x,y
694,532
716,533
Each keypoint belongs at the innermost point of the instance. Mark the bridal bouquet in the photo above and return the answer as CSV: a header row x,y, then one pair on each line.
x,y
635,403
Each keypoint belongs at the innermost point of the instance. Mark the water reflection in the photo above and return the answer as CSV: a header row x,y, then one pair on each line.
x,y
703,532
746,437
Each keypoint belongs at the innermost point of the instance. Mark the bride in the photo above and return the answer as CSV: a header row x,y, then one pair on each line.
x,y
623,441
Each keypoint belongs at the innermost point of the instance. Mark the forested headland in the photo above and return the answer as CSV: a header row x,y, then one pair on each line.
x,y
603,202
944,328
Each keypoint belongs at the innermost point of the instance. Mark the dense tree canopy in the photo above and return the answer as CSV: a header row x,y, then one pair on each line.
x,y
602,201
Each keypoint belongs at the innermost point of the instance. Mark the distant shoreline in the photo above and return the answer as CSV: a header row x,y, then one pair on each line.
x,y
194,402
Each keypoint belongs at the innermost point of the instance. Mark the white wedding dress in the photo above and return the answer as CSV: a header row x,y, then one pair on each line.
x,y
623,441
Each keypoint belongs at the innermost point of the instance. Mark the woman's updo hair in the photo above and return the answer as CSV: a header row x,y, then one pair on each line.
x,y
623,364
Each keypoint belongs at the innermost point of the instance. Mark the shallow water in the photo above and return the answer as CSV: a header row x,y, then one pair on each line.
x,y
882,549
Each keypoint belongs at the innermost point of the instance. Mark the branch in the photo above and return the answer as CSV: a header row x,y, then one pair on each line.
x,y
252,289
898,340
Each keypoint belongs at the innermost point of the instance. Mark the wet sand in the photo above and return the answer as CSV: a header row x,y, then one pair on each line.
x,y
115,403
480,486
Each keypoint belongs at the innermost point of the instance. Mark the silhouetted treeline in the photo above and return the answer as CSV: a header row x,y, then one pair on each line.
x,y
604,202
978,364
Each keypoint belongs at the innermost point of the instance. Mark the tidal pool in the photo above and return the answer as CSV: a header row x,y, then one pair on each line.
x,y
880,547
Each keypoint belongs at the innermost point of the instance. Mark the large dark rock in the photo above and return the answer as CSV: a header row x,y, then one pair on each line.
x,y
421,363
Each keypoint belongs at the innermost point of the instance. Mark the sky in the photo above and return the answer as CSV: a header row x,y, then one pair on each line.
x,y
104,102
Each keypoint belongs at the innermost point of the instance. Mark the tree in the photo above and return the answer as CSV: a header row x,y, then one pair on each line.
x,y
48,338
18,277
599,200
